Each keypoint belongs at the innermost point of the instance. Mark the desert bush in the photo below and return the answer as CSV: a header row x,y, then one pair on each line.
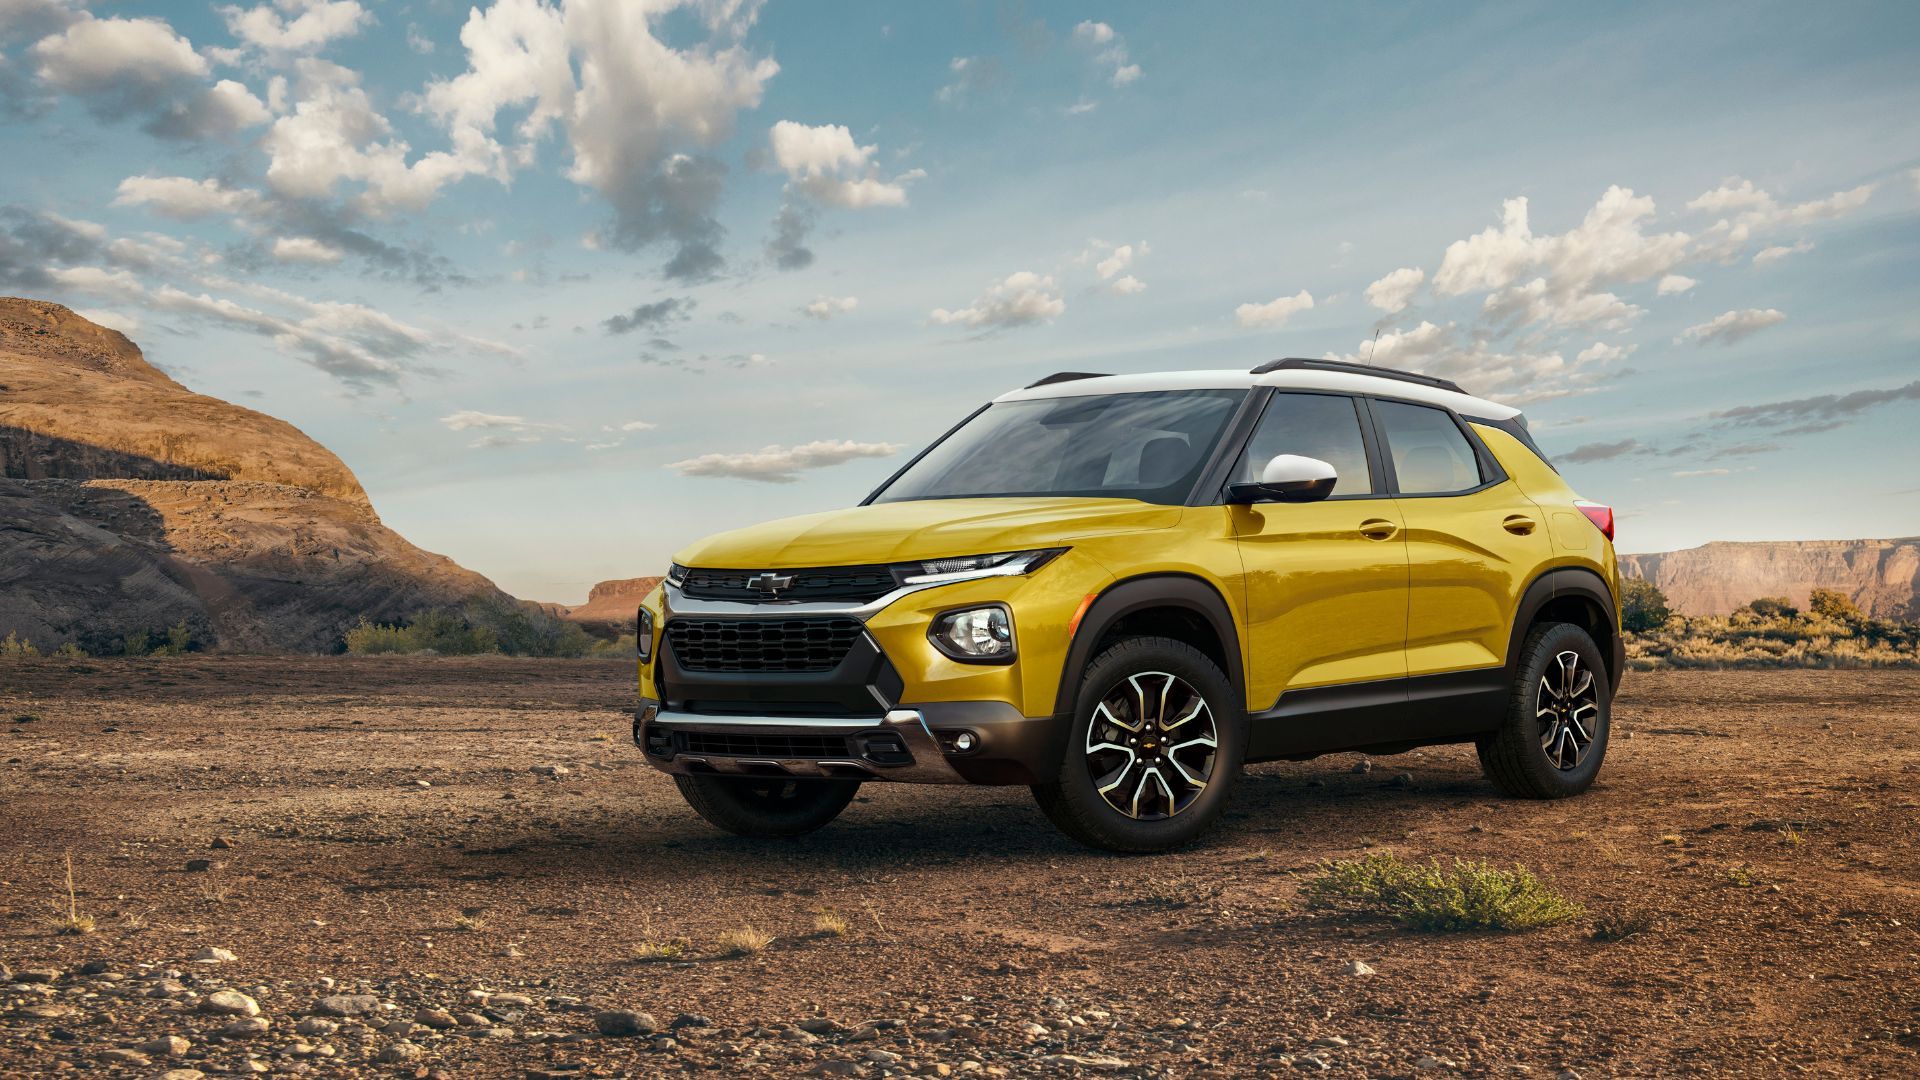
x,y
1643,606
13,646
1770,632
484,626
742,941
1464,896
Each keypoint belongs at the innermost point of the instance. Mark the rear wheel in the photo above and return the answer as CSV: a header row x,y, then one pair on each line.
x,y
766,806
1555,734
1157,741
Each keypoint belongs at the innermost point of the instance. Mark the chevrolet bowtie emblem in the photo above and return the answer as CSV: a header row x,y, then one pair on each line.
x,y
770,583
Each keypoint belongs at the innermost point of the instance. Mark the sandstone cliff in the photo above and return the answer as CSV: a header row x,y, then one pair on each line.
x,y
1882,576
611,604
131,503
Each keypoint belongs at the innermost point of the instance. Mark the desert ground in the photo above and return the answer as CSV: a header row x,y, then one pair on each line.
x,y
466,863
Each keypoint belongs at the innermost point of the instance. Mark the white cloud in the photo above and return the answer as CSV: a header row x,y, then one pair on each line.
x,y
305,249
1609,245
471,420
1748,210
826,307
317,23
1601,353
185,199
1118,259
502,441
1274,313
1731,327
1776,252
637,425
1395,291
1110,51
827,165
1674,284
1517,377
1684,474
1022,299
782,464
1533,302
142,68
1127,285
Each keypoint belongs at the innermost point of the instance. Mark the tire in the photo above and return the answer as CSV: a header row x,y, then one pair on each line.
x,y
1073,800
766,806
1535,756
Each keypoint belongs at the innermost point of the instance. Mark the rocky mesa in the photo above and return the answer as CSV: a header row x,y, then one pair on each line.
x,y
1881,576
130,503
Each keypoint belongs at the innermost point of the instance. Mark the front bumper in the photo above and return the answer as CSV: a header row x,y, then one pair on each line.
x,y
916,744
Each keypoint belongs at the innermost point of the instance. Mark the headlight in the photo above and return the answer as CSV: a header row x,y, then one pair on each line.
x,y
969,567
979,635
676,575
643,632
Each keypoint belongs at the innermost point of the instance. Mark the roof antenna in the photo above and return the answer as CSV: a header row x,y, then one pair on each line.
x,y
1373,346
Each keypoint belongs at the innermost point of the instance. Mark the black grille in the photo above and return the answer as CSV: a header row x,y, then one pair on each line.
x,y
855,583
806,644
742,744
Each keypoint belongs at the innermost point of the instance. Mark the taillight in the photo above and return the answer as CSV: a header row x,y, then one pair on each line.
x,y
1601,516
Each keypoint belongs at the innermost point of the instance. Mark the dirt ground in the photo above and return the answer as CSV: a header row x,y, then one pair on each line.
x,y
390,827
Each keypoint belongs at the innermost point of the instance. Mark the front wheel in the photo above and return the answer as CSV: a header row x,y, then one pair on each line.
x,y
1157,741
1555,733
766,806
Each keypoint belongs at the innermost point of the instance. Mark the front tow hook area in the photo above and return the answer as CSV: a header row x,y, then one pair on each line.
x,y
899,747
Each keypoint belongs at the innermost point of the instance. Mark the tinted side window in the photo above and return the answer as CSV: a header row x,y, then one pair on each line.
x,y
1323,426
1430,454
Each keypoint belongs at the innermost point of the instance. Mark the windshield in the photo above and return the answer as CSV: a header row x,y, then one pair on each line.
x,y
1148,446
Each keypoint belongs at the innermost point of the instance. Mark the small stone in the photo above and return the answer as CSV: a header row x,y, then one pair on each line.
x,y
1035,1030
95,967
1363,766
818,1025
1430,1064
510,1001
423,783
166,1046
220,843
1401,780
836,1067
552,772
183,1074
212,955
1357,967
229,1003
624,1023
316,1027
471,1019
882,1057
1085,1061
125,1057
249,1027
199,866
399,1053
795,1035
346,1005
37,975
690,1020
1329,1040
439,1019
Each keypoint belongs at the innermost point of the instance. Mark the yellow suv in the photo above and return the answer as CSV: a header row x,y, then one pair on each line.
x,y
1118,590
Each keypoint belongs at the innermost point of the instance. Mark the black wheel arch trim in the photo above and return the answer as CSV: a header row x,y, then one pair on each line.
x,y
1129,595
1571,581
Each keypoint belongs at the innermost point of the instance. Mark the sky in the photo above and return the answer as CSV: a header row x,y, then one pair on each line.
x,y
570,285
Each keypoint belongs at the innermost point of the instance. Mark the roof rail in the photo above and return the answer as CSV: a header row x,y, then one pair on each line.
x,y
1066,376
1298,363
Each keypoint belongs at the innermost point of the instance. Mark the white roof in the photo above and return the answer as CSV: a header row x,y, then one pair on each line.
x,y
1287,378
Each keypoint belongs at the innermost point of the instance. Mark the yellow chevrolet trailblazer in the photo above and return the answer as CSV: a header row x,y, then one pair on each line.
x,y
1118,590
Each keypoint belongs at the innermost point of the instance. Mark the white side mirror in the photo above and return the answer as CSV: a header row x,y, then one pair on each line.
x,y
1289,478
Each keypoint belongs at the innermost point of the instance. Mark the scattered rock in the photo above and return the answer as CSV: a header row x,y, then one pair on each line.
x,y
316,1027
835,1067
400,1053
690,1020
818,1025
624,1023
125,1057
166,1046
229,1003
95,967
183,1074
1363,766
510,1001
1357,967
346,1005
37,975
211,955
439,1019
249,1027
1085,1061
197,866
552,772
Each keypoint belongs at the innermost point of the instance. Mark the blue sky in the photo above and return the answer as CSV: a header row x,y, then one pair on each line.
x,y
569,285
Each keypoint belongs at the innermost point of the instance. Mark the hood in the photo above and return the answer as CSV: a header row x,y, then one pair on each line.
x,y
928,529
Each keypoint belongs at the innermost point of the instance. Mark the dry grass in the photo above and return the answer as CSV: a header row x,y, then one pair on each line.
x,y
1740,877
653,952
1792,837
602,736
742,941
1621,925
68,920
1464,896
831,923
1673,839
212,895
471,924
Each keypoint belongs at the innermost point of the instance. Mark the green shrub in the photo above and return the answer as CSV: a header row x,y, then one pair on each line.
x,y
136,643
1465,896
14,646
484,626
1835,605
1643,606
1770,632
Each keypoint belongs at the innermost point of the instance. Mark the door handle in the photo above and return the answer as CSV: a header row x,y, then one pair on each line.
x,y
1519,524
1378,529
